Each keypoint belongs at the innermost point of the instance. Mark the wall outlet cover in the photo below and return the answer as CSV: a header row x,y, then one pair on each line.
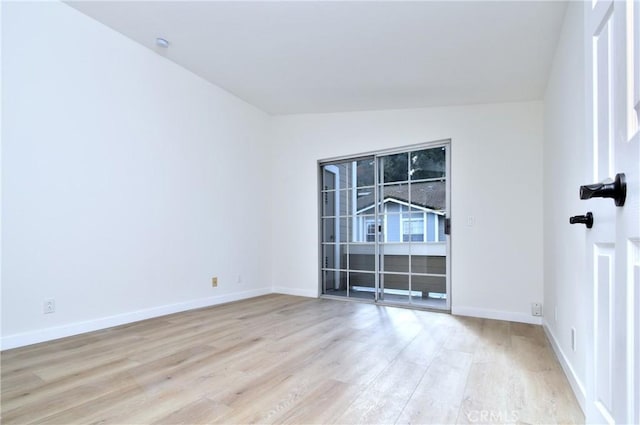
x,y
49,306
536,309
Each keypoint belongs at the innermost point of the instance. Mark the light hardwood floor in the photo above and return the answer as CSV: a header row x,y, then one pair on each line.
x,y
284,359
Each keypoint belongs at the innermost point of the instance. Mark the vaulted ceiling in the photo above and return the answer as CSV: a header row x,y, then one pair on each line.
x,y
309,57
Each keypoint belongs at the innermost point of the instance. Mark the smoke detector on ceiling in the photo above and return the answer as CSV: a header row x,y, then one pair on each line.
x,y
162,42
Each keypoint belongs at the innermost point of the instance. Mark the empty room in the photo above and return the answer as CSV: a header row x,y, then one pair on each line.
x,y
315,212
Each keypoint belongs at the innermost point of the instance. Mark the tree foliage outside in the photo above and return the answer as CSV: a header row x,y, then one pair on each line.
x,y
364,172
424,164
417,165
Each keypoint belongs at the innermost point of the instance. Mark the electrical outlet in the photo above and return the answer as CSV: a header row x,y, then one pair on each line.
x,y
471,220
536,309
573,339
214,282
49,306
239,280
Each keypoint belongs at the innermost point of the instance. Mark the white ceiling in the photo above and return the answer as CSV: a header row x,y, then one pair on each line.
x,y
305,57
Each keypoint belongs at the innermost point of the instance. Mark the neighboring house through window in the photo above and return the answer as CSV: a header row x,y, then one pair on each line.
x,y
402,223
371,231
413,228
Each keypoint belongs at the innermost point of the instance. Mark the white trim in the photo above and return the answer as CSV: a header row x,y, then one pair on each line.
x,y
410,205
404,203
309,293
385,222
436,235
510,316
574,381
48,334
360,212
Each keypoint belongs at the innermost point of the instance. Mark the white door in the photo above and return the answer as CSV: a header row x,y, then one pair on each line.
x,y
613,243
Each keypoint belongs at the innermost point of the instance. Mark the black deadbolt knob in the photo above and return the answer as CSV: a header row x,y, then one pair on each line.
x,y
616,190
586,219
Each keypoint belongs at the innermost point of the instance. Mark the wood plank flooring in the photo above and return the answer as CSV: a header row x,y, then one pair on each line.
x,y
291,360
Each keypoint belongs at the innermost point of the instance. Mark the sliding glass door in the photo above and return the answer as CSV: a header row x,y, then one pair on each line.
x,y
348,236
383,227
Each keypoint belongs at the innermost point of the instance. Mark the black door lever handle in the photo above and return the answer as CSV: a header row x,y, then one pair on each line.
x,y
583,219
616,190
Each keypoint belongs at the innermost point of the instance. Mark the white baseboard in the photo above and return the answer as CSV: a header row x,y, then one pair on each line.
x,y
496,314
574,381
48,334
295,291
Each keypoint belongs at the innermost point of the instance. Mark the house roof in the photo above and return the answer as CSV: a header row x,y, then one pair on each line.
x,y
430,195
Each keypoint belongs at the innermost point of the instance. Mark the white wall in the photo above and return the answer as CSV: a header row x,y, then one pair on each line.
x,y
496,177
127,181
564,159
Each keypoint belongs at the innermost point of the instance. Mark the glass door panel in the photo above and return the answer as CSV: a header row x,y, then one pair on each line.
x,y
362,257
429,244
383,227
362,285
365,172
394,167
428,164
348,228
395,201
334,282
395,288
